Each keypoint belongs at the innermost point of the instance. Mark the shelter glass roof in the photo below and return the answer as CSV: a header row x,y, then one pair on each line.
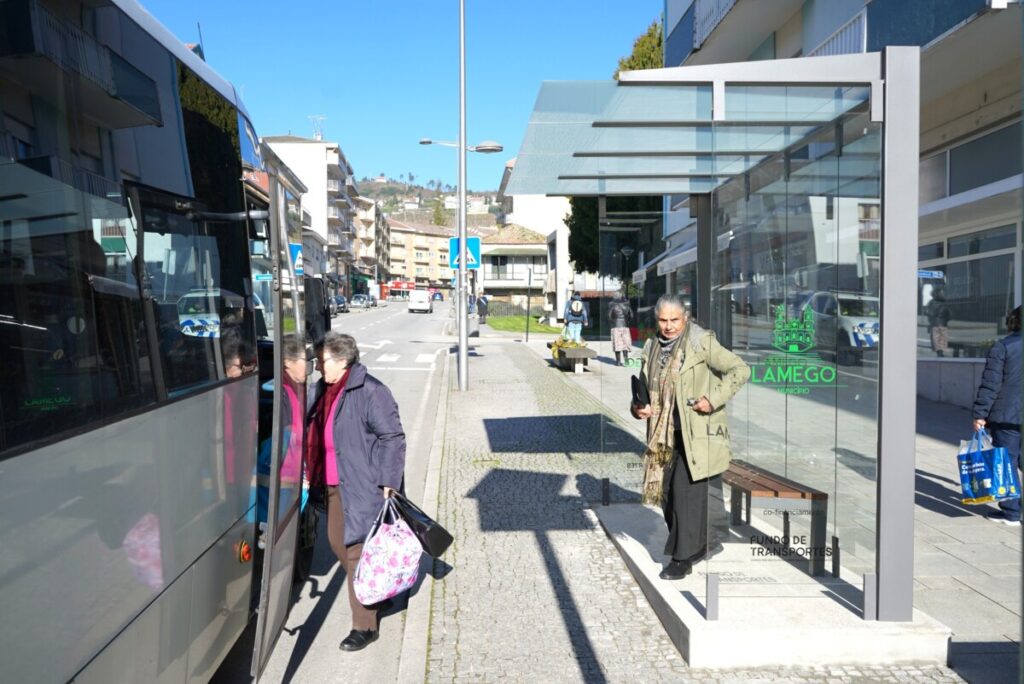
x,y
612,138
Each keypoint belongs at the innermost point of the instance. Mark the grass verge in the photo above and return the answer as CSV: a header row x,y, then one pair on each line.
x,y
518,324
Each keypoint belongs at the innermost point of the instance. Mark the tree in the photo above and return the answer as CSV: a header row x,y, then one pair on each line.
x,y
585,240
439,218
411,178
647,52
584,236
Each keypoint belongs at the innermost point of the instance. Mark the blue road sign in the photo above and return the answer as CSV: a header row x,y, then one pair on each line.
x,y
931,275
472,252
296,251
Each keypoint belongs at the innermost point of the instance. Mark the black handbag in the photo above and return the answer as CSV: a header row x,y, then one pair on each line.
x,y
434,538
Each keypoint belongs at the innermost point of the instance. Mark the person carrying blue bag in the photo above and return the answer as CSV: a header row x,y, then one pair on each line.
x,y
997,407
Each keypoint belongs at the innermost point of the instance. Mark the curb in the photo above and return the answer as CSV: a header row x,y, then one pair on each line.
x,y
412,664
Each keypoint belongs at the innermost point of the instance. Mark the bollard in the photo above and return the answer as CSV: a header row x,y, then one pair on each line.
x,y
606,491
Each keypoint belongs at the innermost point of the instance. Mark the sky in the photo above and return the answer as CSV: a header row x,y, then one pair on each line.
x,y
385,73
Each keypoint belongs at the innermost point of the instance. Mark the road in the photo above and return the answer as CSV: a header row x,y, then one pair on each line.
x,y
406,352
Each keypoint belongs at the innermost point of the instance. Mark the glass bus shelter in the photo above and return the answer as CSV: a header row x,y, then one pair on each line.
x,y
788,223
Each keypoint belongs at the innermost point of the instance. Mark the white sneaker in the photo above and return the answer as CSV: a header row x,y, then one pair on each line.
x,y
1000,517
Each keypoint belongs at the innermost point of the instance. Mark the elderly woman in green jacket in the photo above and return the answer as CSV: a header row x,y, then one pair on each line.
x,y
689,376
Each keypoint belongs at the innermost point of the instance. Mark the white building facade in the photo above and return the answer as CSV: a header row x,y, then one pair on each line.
x,y
328,248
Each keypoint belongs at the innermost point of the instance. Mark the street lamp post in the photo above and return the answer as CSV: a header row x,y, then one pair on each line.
x,y
626,251
486,147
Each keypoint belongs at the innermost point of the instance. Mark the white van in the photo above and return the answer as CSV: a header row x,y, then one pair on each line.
x,y
419,300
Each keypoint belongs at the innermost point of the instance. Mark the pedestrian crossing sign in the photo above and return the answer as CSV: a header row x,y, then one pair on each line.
x,y
472,252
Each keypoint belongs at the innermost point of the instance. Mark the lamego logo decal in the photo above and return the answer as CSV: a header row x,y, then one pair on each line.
x,y
796,369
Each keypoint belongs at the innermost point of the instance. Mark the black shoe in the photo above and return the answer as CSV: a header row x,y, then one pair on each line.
x,y
358,639
676,570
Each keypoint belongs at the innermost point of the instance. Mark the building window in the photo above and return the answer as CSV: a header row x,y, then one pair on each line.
x,y
975,281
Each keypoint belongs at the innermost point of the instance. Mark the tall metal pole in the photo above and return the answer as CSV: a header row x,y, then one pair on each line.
x,y
529,282
463,313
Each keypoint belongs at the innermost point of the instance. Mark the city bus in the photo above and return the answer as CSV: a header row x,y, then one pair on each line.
x,y
147,291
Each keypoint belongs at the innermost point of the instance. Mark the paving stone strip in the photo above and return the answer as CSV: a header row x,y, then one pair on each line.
x,y
534,590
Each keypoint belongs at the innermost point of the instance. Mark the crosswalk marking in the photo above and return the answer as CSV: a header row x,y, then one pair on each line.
x,y
387,358
425,358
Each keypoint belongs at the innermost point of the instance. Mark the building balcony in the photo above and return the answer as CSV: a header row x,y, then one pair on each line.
x,y
343,247
333,186
111,91
334,214
72,176
367,234
708,14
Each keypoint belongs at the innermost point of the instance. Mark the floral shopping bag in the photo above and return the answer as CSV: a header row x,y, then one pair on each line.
x,y
390,561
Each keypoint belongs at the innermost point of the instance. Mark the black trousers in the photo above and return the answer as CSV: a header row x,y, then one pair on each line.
x,y
686,510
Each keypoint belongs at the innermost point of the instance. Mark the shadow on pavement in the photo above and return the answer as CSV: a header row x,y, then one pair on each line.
x,y
511,500
940,495
988,662
587,433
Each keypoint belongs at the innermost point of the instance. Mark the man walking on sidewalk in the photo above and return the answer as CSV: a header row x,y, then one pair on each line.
x,y
997,406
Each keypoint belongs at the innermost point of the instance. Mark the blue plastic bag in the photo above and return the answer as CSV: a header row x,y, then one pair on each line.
x,y
986,472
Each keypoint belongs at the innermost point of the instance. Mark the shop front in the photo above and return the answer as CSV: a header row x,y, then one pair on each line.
x,y
790,232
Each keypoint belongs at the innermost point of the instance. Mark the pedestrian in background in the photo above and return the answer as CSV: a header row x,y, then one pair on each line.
x,y
481,308
619,315
997,406
355,428
689,376
938,314
575,318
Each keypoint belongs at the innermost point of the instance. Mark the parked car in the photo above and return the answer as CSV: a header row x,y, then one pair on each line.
x,y
332,305
359,301
419,300
846,323
341,303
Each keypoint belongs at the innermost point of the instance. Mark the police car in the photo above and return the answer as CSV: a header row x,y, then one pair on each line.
x,y
199,311
846,322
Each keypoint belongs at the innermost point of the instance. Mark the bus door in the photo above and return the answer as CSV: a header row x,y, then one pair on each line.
x,y
281,458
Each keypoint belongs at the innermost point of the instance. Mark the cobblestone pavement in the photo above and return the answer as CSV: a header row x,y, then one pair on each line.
x,y
535,590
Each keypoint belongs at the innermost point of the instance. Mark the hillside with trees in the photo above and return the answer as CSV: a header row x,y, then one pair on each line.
x,y
392,194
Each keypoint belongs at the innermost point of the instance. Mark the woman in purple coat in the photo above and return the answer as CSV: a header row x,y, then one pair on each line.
x,y
355,428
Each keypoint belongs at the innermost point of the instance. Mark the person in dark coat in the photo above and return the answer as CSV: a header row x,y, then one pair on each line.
x,y
356,429
619,315
939,314
997,406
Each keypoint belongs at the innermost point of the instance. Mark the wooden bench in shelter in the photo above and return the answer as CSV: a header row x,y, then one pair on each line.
x,y
752,482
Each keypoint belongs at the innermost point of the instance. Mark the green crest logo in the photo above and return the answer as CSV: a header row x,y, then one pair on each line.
x,y
795,335
797,369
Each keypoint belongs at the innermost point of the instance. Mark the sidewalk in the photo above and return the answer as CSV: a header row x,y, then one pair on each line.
x,y
967,569
535,590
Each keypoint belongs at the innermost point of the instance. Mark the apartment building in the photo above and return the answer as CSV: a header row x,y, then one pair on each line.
x,y
328,244
419,254
372,241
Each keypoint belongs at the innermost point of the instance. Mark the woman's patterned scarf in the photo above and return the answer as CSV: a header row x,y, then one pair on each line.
x,y
663,373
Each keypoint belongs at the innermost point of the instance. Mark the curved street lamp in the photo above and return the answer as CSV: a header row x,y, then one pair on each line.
x,y
485,147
